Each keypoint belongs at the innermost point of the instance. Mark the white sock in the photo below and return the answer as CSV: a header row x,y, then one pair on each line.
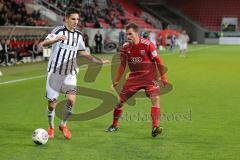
x,y
63,123
51,115
66,114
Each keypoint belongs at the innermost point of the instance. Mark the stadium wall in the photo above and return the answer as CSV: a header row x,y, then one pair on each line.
x,y
7,32
175,18
229,40
110,36
196,32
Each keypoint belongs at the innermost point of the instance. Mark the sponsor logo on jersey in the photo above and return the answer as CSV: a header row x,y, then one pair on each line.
x,y
65,46
136,60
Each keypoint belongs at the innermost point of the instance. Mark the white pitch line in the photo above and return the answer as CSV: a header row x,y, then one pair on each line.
x,y
36,77
189,50
41,76
22,79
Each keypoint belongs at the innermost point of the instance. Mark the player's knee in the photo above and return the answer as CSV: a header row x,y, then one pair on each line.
x,y
52,104
50,108
70,99
155,100
70,102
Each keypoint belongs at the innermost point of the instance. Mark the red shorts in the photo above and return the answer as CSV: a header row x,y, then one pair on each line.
x,y
132,86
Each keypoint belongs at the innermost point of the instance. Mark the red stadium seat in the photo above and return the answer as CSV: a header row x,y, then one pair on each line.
x,y
208,12
89,25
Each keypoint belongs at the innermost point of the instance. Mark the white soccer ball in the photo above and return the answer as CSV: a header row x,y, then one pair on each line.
x,y
40,136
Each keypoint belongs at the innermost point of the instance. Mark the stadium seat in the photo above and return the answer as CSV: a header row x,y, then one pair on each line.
x,y
208,13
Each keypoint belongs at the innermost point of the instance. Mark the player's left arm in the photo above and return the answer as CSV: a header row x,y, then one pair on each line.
x,y
92,58
159,63
84,53
161,70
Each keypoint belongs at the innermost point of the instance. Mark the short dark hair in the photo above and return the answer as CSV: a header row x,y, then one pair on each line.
x,y
133,26
71,10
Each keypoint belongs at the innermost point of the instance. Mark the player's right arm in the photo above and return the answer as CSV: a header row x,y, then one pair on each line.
x,y
121,67
53,38
120,71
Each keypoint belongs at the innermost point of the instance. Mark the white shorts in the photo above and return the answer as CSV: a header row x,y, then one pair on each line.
x,y
183,46
60,83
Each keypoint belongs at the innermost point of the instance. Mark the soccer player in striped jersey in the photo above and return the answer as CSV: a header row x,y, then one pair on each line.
x,y
142,58
66,42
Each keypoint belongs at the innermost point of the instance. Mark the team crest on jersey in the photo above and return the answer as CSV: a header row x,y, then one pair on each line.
x,y
142,52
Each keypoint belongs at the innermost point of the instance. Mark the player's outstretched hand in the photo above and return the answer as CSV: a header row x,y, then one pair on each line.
x,y
164,83
114,85
105,61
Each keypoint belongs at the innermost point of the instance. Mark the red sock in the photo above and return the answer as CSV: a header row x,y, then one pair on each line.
x,y
116,115
155,115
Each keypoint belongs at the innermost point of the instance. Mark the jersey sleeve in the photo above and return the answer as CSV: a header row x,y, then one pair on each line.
x,y
123,58
152,51
122,65
81,44
123,50
53,34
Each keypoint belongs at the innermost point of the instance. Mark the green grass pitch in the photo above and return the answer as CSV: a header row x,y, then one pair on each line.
x,y
200,115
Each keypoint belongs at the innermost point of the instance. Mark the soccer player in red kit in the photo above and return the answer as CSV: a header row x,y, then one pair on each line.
x,y
142,58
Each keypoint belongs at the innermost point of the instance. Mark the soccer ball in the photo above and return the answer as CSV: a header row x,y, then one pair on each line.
x,y
40,136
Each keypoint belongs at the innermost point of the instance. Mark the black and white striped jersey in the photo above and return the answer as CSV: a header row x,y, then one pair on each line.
x,y
63,53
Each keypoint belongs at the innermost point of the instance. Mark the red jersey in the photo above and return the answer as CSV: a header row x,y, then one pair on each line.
x,y
140,59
